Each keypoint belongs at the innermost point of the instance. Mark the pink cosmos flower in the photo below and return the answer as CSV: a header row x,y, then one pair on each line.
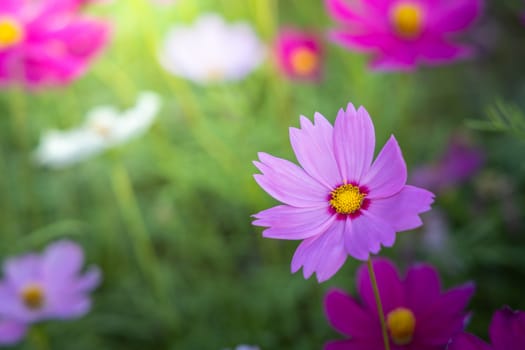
x,y
47,286
402,33
418,315
507,332
11,332
339,203
46,42
299,54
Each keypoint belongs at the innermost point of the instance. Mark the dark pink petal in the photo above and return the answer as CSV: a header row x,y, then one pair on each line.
x,y
438,51
365,234
356,15
455,15
507,330
422,286
355,344
10,6
288,183
11,332
354,142
324,254
390,287
402,209
61,261
313,147
399,59
465,341
349,318
286,222
388,173
340,10
361,42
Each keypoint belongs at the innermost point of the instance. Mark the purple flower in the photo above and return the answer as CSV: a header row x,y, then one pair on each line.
x,y
418,315
47,286
459,163
339,203
402,33
46,42
11,332
507,332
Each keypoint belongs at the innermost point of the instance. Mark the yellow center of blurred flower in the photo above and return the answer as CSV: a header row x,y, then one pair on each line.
x,y
401,324
102,130
215,74
33,296
304,61
407,19
346,199
11,32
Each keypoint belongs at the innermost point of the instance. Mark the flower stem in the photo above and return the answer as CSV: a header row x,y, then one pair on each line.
x,y
379,305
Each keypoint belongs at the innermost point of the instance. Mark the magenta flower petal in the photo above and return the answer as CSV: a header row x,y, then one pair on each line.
x,y
322,254
388,174
355,344
402,209
286,222
11,332
421,280
507,330
366,235
338,305
456,15
466,341
288,183
438,51
354,142
313,148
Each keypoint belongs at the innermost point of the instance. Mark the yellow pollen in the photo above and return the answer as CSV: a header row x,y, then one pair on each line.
x,y
401,324
33,296
346,199
304,61
407,19
11,33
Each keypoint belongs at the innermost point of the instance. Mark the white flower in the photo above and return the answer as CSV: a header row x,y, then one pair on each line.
x,y
212,50
104,127
246,347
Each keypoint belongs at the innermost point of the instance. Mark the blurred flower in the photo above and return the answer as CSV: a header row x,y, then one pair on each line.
x,y
299,54
212,50
404,33
507,332
47,286
460,162
105,127
339,202
418,315
46,42
11,332
247,347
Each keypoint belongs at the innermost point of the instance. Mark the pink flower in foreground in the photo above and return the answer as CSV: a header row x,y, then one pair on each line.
x,y
47,286
299,54
339,202
418,315
11,332
46,42
507,332
402,33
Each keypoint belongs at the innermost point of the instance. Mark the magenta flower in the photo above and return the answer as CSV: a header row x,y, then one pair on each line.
x,y
418,315
403,33
46,42
11,332
47,286
339,203
299,54
507,332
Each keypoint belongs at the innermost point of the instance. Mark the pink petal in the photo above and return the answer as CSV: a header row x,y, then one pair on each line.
x,y
361,42
354,142
455,15
365,235
21,270
313,147
507,330
389,285
88,281
340,10
288,183
421,287
438,51
402,209
397,57
62,260
388,173
322,254
11,332
465,341
349,318
355,344
288,222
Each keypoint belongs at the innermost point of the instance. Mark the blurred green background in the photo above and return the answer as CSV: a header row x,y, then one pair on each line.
x,y
167,216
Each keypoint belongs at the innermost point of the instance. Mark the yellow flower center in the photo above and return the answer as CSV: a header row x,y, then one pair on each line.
x,y
33,296
215,74
401,324
11,32
346,199
304,61
407,19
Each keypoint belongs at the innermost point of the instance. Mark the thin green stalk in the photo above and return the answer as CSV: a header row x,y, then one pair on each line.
x,y
38,338
379,305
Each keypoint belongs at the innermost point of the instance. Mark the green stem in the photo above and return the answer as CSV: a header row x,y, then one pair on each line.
x,y
379,305
38,338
